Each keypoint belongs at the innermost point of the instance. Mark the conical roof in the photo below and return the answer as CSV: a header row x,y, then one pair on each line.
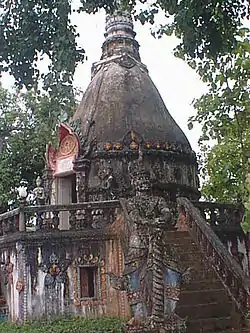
x,y
122,98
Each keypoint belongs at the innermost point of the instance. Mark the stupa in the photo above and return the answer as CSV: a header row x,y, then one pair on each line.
x,y
117,229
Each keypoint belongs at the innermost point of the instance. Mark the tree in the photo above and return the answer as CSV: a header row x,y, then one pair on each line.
x,y
224,113
33,29
27,123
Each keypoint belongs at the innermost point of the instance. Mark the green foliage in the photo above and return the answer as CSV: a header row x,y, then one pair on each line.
x,y
27,123
224,113
206,28
222,168
66,325
31,30
246,219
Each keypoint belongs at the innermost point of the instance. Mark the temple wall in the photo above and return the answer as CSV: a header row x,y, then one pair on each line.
x,y
47,279
12,275
35,299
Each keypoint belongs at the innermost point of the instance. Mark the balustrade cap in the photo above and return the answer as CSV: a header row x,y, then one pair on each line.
x,y
9,214
74,206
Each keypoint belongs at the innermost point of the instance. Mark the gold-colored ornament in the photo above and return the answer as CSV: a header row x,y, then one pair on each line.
x,y
108,146
133,145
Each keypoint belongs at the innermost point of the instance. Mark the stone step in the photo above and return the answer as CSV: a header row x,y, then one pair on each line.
x,y
207,310
187,241
191,256
192,297
183,248
234,330
199,284
200,273
203,301
209,325
177,234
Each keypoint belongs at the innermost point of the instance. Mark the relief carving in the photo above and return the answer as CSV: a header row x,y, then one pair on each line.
x,y
152,275
126,61
107,179
56,280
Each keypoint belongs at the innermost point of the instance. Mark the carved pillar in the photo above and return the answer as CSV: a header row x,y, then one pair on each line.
x,y
82,167
155,252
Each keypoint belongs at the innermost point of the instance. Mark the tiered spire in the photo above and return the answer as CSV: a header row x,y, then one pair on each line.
x,y
120,35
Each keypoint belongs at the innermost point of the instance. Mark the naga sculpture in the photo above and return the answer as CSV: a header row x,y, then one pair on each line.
x,y
152,276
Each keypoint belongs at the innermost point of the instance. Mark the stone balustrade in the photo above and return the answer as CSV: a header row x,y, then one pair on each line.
x,y
9,221
228,270
87,215
221,216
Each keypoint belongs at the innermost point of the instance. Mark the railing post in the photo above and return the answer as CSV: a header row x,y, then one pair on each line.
x,y
22,200
82,168
22,226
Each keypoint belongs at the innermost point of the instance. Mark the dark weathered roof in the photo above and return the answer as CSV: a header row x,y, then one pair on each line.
x,y
121,99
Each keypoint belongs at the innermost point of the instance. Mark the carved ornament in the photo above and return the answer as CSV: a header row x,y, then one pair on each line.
x,y
60,160
132,141
20,285
55,269
126,61
68,145
89,260
8,272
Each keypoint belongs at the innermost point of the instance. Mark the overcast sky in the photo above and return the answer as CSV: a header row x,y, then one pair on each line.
x,y
177,83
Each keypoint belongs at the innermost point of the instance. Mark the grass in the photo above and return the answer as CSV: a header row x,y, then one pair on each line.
x,y
66,325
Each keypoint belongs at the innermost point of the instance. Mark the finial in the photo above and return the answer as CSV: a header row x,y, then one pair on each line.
x,y
120,35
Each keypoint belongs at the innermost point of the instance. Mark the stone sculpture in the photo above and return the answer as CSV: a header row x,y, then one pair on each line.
x,y
39,192
151,277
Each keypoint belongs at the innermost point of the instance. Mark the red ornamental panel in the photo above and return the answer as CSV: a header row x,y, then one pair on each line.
x,y
60,160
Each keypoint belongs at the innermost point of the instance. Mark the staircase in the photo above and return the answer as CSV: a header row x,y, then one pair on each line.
x,y
206,301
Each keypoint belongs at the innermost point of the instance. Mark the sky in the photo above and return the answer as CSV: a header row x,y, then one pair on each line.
x,y
177,83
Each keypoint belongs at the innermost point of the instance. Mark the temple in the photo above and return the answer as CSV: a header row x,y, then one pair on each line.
x,y
118,228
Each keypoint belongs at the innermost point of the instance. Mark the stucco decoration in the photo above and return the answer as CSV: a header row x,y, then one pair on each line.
x,y
55,284
20,285
60,160
55,269
152,277
39,192
8,272
126,61
106,176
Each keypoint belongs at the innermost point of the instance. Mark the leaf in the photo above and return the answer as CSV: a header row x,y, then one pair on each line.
x,y
190,125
